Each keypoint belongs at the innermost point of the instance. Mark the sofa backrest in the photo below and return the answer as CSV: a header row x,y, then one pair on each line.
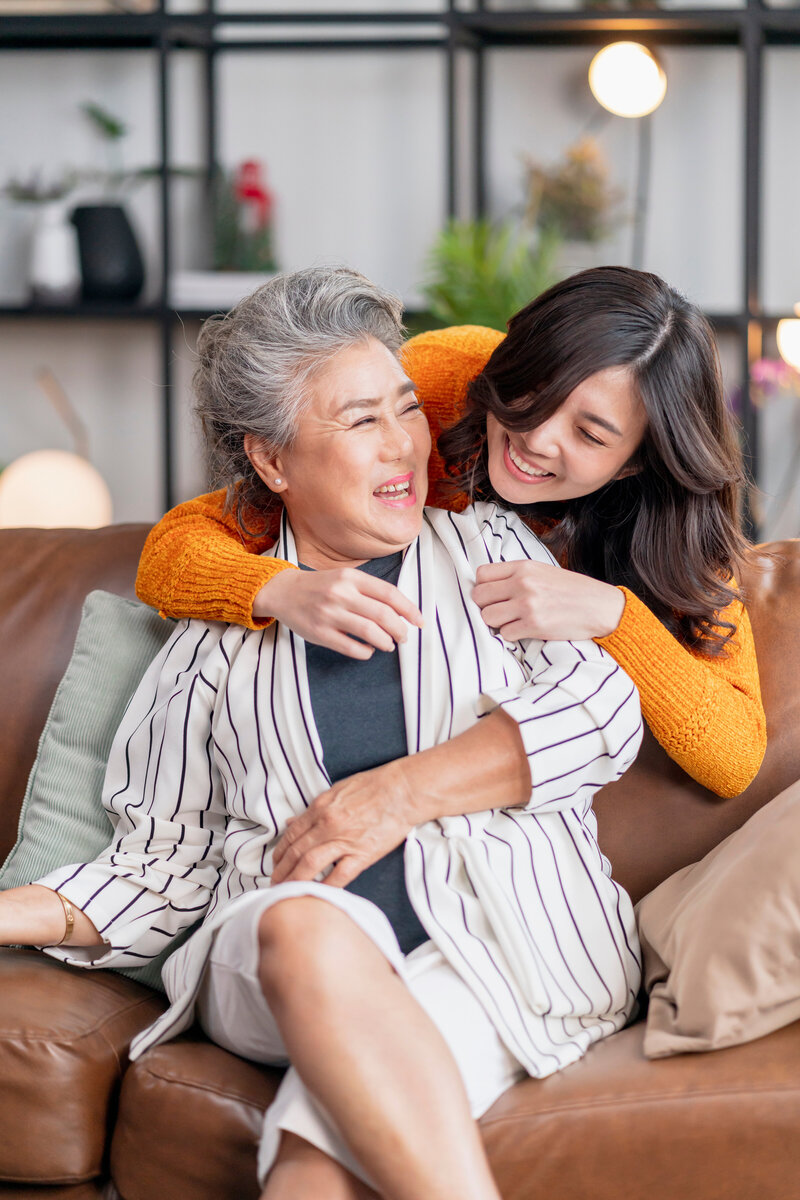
x,y
652,821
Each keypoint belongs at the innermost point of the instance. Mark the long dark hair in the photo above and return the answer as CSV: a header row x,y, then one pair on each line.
x,y
671,532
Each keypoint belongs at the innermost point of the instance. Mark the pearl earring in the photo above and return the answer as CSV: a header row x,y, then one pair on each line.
x,y
278,481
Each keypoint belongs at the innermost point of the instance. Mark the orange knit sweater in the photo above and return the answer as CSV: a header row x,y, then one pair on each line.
x,y
705,712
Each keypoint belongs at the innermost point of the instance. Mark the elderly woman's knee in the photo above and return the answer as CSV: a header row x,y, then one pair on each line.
x,y
302,939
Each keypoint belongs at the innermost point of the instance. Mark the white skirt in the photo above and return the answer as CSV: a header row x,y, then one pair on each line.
x,y
233,1012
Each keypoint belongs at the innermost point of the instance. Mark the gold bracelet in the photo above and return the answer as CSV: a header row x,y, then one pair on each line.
x,y
69,919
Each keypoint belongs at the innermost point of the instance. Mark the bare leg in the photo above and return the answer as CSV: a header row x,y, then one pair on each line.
x,y
302,1172
371,1055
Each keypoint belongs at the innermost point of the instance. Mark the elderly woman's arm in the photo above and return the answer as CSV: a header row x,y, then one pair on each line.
x,y
165,802
575,726
35,916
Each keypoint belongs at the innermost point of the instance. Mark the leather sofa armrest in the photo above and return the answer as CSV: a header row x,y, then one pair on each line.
x,y
64,1038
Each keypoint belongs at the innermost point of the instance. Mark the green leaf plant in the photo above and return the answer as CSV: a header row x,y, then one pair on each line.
x,y
482,272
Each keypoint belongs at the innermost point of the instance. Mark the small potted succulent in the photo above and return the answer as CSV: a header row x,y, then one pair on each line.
x,y
40,251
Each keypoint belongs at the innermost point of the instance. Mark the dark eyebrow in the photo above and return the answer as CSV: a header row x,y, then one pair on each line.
x,y
595,420
405,387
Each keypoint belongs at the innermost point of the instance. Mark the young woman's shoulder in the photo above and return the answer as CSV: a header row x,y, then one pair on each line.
x,y
441,363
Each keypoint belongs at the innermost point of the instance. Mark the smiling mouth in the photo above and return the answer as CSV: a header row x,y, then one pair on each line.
x,y
397,493
526,468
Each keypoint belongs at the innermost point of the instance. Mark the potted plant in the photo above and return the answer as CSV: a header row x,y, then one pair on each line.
x,y
575,198
482,272
40,251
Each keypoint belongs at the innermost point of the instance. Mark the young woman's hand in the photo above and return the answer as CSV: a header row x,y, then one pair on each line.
x,y
536,600
334,608
349,827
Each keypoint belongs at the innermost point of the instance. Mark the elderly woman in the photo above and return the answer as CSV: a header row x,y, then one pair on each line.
x,y
479,937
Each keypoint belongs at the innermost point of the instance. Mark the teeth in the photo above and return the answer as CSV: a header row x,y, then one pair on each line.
x,y
400,488
523,466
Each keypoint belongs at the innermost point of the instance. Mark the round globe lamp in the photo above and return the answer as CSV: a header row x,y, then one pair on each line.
x,y
789,341
627,79
53,488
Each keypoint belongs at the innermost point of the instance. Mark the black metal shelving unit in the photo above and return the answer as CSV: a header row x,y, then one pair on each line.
x,y
451,32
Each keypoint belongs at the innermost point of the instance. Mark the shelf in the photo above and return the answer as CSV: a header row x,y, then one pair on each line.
x,y
445,31
129,31
719,27
92,312
380,29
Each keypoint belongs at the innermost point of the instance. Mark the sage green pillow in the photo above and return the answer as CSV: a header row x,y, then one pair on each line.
x,y
62,819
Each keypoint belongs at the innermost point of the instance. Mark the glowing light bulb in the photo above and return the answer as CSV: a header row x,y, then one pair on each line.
x,y
789,341
627,79
52,488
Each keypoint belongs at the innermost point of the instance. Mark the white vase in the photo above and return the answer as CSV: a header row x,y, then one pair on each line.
x,y
55,271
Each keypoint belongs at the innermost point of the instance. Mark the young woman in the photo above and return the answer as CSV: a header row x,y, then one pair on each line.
x,y
475,935
600,417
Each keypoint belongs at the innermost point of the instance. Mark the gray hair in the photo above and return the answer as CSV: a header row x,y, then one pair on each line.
x,y
256,362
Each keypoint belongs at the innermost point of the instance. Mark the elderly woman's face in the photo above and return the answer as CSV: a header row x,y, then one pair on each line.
x,y
355,479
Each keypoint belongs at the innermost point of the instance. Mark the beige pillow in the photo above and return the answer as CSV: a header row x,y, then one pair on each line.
x,y
721,938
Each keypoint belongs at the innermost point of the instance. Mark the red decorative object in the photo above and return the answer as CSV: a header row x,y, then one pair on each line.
x,y
253,197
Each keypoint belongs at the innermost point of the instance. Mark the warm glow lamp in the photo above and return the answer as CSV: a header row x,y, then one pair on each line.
x,y
627,79
789,339
50,488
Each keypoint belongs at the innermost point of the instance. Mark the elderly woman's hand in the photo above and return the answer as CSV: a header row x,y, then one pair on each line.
x,y
535,600
333,608
349,827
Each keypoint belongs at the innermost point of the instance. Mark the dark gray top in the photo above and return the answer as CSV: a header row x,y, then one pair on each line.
x,y
358,710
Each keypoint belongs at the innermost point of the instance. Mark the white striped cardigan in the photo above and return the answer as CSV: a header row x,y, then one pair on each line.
x,y
218,749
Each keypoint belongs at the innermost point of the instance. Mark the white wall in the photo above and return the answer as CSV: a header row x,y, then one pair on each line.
x,y
354,146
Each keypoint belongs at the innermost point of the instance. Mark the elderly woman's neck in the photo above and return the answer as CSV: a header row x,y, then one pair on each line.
x,y
322,556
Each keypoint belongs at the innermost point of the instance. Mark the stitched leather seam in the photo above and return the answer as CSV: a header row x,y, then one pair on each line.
x,y
65,1039
203,1087
626,1102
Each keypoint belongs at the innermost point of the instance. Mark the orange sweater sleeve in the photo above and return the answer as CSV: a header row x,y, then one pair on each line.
x,y
196,562
441,363
706,712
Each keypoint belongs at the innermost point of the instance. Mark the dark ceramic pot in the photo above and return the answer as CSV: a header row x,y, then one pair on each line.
x,y
111,262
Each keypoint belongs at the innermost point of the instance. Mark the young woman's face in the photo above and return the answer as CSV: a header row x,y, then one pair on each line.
x,y
585,444
354,480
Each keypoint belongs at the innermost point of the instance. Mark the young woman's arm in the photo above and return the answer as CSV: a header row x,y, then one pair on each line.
x,y
197,563
706,712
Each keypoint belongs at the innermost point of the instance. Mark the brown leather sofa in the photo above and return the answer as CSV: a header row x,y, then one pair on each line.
x,y
182,1123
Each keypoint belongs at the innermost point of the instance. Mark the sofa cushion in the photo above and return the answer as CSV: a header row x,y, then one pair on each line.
x,y
613,1127
616,1126
62,818
198,1096
64,1036
721,938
